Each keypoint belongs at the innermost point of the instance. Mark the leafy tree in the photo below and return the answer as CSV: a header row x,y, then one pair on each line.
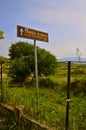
x,y
1,34
19,69
21,49
22,56
46,62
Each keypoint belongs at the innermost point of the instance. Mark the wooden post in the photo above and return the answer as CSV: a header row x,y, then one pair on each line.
x,y
19,114
1,85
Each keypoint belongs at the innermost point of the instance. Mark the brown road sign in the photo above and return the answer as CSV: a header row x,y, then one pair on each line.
x,y
29,33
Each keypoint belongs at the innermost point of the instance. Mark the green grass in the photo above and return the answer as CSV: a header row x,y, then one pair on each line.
x,y
51,107
52,102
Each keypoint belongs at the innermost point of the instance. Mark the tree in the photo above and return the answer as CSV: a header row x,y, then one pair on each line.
x,y
19,70
46,62
20,49
22,57
1,34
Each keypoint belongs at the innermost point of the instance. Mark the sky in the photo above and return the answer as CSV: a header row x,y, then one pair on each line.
x,y
63,20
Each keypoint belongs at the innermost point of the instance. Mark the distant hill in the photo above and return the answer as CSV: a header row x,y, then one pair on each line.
x,y
63,59
2,57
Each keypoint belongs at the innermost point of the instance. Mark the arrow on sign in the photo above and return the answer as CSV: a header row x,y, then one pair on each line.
x,y
21,31
29,33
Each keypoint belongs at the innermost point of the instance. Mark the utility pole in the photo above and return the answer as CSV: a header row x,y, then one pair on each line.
x,y
78,55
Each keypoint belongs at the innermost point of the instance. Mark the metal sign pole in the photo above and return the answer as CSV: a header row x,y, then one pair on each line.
x,y
36,73
68,96
29,33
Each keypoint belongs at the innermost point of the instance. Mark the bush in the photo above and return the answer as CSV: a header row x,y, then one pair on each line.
x,y
47,83
78,86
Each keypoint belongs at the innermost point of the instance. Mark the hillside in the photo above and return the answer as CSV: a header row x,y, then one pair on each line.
x,y
51,109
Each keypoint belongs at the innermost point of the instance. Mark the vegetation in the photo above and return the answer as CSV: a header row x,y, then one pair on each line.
x,y
22,61
1,34
51,103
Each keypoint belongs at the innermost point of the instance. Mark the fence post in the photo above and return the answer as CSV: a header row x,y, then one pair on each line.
x,y
68,96
19,113
1,84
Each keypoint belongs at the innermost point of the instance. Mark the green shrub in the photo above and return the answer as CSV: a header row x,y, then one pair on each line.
x,y
78,86
47,83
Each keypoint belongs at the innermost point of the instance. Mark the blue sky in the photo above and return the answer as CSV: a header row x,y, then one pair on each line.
x,y
63,20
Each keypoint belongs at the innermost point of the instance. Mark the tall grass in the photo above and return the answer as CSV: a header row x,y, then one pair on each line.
x,y
52,102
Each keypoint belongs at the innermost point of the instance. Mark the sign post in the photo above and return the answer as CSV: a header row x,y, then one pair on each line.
x,y
29,33
36,74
